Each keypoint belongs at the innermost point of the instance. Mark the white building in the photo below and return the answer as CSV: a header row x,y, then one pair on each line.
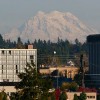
x,y
13,61
90,95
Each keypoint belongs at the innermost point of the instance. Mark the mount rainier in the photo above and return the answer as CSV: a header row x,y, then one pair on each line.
x,y
50,26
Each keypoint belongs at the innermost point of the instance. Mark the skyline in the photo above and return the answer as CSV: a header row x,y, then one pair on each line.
x,y
14,13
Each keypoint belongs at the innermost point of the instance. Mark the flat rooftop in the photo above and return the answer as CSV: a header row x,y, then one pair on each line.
x,y
93,38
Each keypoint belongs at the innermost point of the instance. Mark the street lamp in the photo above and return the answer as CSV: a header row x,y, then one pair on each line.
x,y
56,68
54,52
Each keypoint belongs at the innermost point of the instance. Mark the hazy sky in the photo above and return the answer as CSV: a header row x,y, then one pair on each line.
x,y
13,13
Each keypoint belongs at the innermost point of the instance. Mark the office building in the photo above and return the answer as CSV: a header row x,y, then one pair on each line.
x,y
94,58
13,61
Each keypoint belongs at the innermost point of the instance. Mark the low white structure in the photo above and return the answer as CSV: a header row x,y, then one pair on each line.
x,y
90,95
8,89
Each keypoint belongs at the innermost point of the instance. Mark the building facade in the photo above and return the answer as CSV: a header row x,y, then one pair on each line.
x,y
13,61
89,95
94,58
68,71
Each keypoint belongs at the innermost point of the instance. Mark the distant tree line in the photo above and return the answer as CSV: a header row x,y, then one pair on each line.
x,y
46,49
62,47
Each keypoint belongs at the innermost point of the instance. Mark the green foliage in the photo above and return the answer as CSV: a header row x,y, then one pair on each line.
x,y
98,97
45,48
75,97
72,86
65,85
82,96
78,78
53,96
63,96
87,79
32,85
3,96
19,44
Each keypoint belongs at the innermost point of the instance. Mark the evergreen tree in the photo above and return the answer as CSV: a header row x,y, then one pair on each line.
x,y
78,78
75,97
63,96
32,86
98,97
73,86
2,42
65,86
19,44
82,96
3,96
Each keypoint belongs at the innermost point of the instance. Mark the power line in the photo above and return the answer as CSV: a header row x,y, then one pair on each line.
x,y
92,74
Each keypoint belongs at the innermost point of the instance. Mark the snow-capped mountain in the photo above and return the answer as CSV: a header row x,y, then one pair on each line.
x,y
50,26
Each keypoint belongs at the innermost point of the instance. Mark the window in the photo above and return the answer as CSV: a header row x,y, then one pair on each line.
x,y
16,69
2,51
87,96
2,69
10,52
91,96
31,57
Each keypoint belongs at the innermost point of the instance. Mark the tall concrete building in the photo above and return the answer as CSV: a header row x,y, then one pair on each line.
x,y
13,61
94,58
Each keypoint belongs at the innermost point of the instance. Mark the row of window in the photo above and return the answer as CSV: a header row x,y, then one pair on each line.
x,y
3,72
16,67
17,57
18,52
9,80
16,63
9,77
90,96
12,66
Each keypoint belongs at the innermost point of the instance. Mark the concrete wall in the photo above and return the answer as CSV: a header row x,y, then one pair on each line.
x,y
90,95
8,89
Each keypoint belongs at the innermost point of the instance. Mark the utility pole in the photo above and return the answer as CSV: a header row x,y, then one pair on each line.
x,y
56,68
81,61
82,69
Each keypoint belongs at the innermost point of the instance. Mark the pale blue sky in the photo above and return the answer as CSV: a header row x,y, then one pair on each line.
x,y
13,13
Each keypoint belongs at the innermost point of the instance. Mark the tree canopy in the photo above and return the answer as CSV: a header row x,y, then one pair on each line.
x,y
32,85
82,96
75,97
3,95
65,49
63,96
